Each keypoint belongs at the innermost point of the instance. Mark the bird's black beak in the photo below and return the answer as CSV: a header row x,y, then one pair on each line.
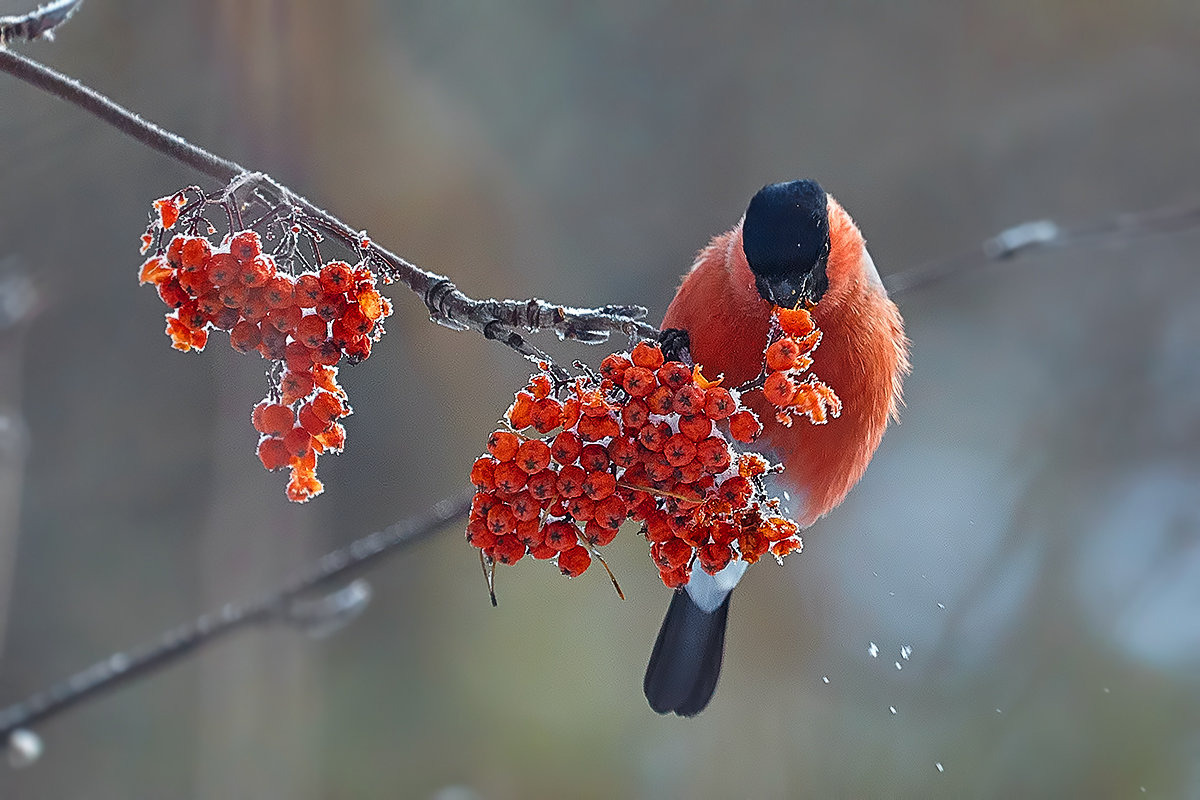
x,y
789,291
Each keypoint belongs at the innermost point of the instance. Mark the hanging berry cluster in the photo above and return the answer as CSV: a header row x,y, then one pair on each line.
x,y
647,440
305,322
786,359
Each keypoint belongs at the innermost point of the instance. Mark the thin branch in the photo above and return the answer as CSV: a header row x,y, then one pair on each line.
x,y
39,23
447,304
1031,237
279,605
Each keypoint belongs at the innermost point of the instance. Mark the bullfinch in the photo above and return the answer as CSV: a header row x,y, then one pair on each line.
x,y
795,246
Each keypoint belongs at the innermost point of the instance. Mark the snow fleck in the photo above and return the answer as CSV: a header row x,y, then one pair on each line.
x,y
942,606
873,650
898,666
905,651
825,679
892,709
939,766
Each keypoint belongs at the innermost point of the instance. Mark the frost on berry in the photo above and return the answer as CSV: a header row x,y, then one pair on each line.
x,y
645,439
786,360
305,319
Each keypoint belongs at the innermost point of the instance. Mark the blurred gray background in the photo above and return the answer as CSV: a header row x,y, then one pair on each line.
x,y
1031,530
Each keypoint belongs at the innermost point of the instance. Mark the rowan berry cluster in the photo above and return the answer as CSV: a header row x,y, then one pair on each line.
x,y
305,323
786,359
644,440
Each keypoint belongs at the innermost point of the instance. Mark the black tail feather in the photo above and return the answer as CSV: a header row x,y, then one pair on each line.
x,y
686,662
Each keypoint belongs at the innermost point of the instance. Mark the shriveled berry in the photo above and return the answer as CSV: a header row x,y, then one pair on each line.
x,y
298,442
647,355
273,454
779,389
744,426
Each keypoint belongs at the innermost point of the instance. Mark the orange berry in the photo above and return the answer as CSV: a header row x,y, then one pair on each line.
x,y
357,349
570,481
613,367
713,455
273,454
783,355
222,269
561,535
503,445
355,321
245,245
273,419
311,331
599,485
660,400
688,400
647,355
168,211
482,503
635,414
566,448
154,270
779,389
718,403
572,409
257,271
371,304
679,450
533,456
795,322
310,421
574,562
593,457
329,407
297,357
244,337
714,557
744,426
674,374
547,413
543,485
510,478
295,385
520,413
581,508
782,548
333,439
638,381
540,386
695,427
501,520
278,292
297,442
308,291
483,473
194,253
336,277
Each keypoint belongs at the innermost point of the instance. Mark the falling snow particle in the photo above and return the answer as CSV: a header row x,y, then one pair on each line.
x,y
942,606
892,709
825,679
905,651
939,766
898,665
873,650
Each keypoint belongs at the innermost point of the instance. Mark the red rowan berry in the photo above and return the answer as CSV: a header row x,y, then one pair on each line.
x,y
530,533
331,306
543,485
695,427
688,400
172,293
520,413
524,506
533,456
598,535
674,578
638,381
679,450
244,336
623,452
547,413
191,316
566,448
599,485
273,454
570,481
510,478
482,503
155,270
297,442
245,245
501,520
744,426
274,343
653,437
581,508
735,491
355,321
295,385
675,553
328,406
572,409
658,529
795,322
647,355
308,291
540,386
613,367
482,473
593,457
574,562
233,295
311,331
222,269
278,292
562,535
332,440
255,307
635,414
257,271
783,355
285,319
718,403
713,455
674,374
782,548
542,551
779,389
507,550
723,533
479,535
194,253
657,467
690,472
336,277
297,357
660,400
503,445
357,349
310,421
714,557
752,545
592,429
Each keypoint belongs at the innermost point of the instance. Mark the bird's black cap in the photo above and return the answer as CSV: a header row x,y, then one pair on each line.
x,y
786,241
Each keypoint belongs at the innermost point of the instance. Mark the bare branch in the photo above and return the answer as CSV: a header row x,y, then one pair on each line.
x,y
285,604
39,23
1031,237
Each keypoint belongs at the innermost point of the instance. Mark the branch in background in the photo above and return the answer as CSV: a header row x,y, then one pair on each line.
x,y
496,319
39,23
286,604
1030,237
